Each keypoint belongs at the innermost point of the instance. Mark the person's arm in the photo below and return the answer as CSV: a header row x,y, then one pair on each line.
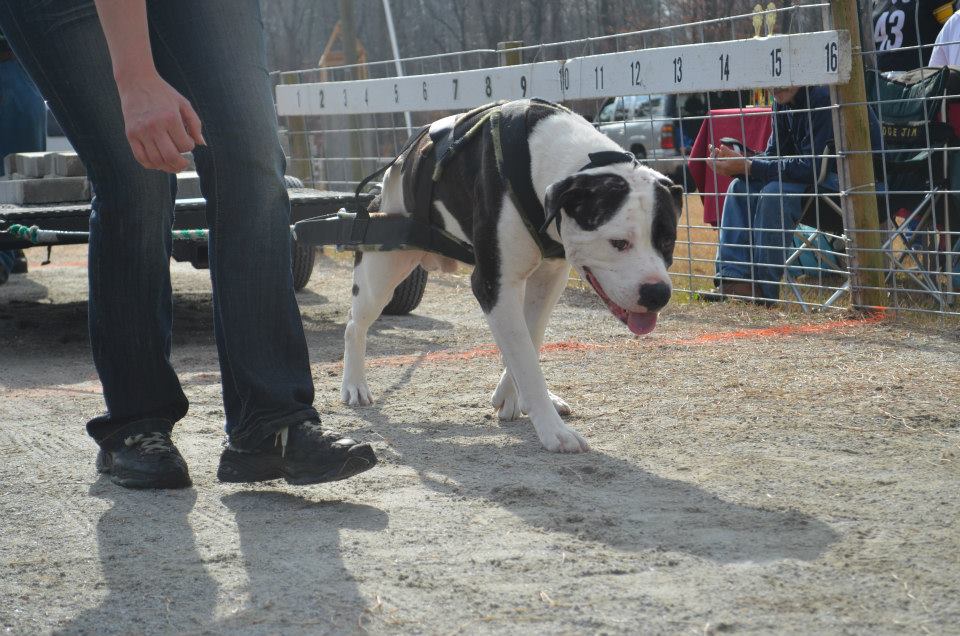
x,y
814,130
160,123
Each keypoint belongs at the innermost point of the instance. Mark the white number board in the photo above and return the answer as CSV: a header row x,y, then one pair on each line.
x,y
442,91
782,60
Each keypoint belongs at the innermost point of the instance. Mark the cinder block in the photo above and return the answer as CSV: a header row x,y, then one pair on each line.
x,y
68,164
49,190
34,165
188,185
10,165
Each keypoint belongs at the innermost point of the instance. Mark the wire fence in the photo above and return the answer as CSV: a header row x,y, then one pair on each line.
x,y
812,179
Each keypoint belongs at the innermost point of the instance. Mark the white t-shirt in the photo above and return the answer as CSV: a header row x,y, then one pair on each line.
x,y
946,48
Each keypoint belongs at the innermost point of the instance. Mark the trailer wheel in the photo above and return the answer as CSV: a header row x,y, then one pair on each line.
x,y
304,258
408,294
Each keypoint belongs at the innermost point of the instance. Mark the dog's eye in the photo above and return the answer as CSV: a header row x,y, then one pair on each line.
x,y
620,244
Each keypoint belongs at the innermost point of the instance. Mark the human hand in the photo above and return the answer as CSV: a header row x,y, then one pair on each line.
x,y
160,123
728,162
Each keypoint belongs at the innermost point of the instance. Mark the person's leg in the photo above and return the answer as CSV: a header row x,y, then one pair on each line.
x,y
23,113
62,45
23,128
733,245
213,53
777,213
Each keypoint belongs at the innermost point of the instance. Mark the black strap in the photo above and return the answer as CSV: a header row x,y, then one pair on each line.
x,y
379,171
608,157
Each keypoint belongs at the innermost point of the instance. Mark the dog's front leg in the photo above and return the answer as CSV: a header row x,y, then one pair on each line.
x,y
543,289
509,329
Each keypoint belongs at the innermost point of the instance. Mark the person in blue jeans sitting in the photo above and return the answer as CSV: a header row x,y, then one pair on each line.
x,y
23,128
135,83
763,206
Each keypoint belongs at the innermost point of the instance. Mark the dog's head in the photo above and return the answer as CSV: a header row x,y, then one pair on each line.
x,y
618,227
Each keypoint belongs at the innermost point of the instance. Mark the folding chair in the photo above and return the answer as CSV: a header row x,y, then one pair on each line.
x,y
914,163
820,242
918,147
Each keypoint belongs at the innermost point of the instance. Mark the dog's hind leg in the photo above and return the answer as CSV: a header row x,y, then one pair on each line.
x,y
375,276
543,289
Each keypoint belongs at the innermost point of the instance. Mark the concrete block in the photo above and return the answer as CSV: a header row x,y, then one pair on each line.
x,y
188,185
34,165
68,164
49,190
9,164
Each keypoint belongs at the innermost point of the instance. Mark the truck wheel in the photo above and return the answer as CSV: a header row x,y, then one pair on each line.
x,y
304,257
408,294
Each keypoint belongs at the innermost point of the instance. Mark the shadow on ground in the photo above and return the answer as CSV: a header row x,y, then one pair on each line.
x,y
290,550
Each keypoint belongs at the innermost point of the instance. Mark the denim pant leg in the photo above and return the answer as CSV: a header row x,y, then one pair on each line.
x,y
23,115
733,244
777,213
213,53
23,123
61,44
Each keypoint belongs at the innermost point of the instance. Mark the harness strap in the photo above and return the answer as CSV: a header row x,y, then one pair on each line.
x,y
508,127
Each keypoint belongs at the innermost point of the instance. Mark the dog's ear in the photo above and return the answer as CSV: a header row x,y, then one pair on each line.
x,y
676,192
589,199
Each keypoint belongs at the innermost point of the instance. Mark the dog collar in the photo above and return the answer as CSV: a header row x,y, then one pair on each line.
x,y
597,160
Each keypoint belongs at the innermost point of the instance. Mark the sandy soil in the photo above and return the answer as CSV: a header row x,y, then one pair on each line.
x,y
753,472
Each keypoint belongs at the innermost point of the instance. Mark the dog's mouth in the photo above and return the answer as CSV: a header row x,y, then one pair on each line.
x,y
638,322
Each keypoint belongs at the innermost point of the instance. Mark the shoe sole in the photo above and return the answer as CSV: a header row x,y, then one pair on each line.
x,y
352,466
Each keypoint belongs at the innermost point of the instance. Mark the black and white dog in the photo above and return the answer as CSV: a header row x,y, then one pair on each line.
x,y
614,220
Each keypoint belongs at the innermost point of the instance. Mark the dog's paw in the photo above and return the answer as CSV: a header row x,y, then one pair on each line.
x,y
505,400
562,407
357,394
562,439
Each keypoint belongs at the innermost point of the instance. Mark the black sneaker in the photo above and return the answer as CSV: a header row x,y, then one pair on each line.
x,y
302,454
145,460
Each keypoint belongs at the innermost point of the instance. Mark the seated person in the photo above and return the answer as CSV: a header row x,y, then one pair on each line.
x,y
763,205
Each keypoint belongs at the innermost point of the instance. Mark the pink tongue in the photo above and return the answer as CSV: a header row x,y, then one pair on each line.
x,y
642,323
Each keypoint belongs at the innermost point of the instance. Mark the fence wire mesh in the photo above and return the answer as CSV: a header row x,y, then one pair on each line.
x,y
772,211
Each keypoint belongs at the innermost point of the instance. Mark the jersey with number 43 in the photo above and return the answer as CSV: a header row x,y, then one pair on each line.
x,y
901,26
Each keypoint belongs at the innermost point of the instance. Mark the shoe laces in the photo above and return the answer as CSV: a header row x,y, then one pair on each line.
x,y
149,443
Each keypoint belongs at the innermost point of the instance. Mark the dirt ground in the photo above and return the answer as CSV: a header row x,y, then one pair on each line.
x,y
752,471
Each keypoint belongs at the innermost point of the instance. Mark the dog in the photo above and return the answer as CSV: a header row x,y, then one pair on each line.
x,y
613,220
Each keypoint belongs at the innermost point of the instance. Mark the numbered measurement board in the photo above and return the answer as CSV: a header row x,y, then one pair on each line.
x,y
782,60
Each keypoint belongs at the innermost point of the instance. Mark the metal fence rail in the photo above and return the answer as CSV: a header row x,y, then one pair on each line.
x,y
661,93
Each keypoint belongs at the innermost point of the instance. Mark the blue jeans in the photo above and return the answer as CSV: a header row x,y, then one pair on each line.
x,y
756,231
23,123
212,52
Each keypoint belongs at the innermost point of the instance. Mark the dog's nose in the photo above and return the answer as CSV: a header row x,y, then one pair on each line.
x,y
654,296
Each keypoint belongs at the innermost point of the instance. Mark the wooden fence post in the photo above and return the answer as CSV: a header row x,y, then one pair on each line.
x,y
860,216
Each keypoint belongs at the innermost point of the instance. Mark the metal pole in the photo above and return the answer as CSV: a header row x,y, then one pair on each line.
x,y
855,169
396,55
